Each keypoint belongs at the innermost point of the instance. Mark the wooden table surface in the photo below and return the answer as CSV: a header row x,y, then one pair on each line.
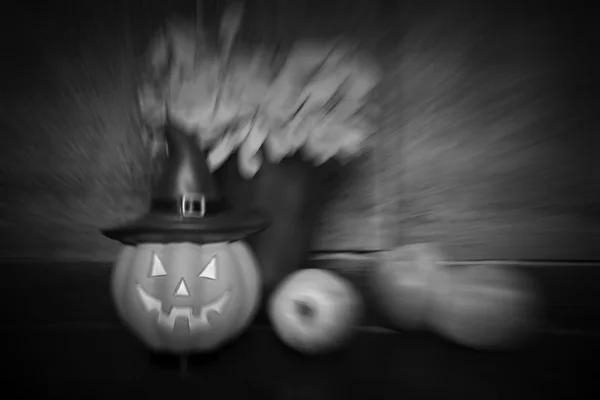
x,y
62,340
107,362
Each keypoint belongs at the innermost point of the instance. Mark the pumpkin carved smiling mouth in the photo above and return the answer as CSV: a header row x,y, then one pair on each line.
x,y
195,322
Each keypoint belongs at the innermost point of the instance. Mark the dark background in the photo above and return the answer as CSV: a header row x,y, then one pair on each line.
x,y
488,145
488,141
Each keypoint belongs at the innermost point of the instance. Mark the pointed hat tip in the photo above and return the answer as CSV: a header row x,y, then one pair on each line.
x,y
185,169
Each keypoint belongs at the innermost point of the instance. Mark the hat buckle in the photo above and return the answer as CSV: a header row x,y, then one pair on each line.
x,y
192,205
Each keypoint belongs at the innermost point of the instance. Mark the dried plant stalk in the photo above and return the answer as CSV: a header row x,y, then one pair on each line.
x,y
313,102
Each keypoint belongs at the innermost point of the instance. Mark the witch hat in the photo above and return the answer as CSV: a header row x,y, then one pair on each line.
x,y
186,204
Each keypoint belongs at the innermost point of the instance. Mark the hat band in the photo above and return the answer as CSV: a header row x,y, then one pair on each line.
x,y
192,207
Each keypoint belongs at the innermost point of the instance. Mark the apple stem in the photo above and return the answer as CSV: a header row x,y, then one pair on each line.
x,y
305,310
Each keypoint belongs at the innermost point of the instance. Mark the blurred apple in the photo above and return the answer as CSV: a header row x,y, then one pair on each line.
x,y
487,307
403,284
314,310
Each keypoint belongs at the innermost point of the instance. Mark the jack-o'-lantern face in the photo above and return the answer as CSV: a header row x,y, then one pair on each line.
x,y
186,294
182,302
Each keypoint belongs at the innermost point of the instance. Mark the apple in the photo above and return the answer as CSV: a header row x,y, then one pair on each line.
x,y
314,310
487,307
403,283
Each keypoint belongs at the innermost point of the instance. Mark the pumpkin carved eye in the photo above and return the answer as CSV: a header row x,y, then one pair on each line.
x,y
157,267
210,271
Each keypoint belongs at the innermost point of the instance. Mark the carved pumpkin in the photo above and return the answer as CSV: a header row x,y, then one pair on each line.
x,y
186,297
185,281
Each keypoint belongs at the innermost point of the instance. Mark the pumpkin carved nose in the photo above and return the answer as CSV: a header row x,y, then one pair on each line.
x,y
182,289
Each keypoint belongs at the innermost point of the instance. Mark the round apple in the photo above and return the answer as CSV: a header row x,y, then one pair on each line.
x,y
403,284
314,310
487,307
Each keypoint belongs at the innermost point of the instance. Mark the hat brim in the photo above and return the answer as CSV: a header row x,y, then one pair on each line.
x,y
167,228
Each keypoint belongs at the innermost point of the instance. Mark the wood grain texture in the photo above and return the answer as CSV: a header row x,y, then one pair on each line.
x,y
350,219
490,136
73,159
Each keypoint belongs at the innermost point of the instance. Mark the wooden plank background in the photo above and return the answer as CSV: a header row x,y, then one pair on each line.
x,y
488,141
